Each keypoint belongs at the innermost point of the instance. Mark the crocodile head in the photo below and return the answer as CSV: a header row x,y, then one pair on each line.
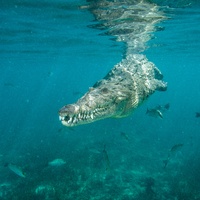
x,y
98,103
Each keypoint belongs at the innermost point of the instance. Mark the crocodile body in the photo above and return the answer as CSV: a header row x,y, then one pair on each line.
x,y
132,80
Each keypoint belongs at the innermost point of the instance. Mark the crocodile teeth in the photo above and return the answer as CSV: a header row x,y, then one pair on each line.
x,y
61,118
75,120
92,116
69,121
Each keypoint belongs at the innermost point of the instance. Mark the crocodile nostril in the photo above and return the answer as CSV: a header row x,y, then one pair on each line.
x,y
67,118
67,109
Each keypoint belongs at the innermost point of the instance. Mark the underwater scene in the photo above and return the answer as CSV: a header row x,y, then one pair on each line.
x,y
100,100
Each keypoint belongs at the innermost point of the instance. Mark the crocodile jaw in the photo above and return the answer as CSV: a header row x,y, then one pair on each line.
x,y
96,104
73,115
81,116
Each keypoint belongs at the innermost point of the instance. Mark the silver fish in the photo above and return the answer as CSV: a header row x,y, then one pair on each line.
x,y
16,169
57,162
197,114
154,113
125,136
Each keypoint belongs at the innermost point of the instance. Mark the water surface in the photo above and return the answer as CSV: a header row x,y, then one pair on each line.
x,y
50,56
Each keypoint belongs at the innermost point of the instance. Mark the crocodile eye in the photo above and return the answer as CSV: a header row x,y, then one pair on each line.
x,y
104,90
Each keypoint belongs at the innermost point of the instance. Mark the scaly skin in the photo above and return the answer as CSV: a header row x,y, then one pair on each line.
x,y
132,80
125,87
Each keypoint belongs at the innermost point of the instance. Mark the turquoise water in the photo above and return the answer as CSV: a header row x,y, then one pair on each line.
x,y
50,57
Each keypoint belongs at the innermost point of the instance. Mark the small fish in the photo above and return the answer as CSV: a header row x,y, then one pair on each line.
x,y
94,150
106,158
165,162
8,84
166,106
16,169
154,113
163,108
57,162
125,136
171,152
5,185
50,73
197,114
176,147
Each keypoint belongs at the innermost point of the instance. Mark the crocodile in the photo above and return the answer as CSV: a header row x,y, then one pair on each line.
x,y
132,80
